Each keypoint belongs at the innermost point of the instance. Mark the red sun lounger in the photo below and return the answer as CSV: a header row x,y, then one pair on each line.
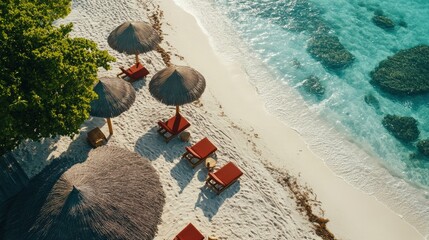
x,y
200,151
224,177
189,233
135,72
172,127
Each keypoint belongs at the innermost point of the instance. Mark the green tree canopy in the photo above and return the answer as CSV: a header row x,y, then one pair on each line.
x,y
46,77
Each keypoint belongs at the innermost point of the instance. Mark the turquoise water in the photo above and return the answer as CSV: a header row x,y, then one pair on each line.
x,y
279,30
269,39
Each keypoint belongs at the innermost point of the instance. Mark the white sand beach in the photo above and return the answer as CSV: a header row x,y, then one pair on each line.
x,y
233,116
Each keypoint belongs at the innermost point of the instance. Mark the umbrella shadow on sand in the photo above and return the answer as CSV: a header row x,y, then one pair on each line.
x,y
151,145
31,153
76,152
78,148
210,203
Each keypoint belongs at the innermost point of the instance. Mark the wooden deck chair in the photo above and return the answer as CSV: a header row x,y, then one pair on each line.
x,y
135,72
200,151
189,233
224,177
96,137
172,127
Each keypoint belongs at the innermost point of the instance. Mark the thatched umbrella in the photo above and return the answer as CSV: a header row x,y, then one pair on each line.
x,y
114,194
134,38
114,98
177,85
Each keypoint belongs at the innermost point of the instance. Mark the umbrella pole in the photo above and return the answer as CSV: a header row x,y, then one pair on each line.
x,y
177,110
137,59
109,123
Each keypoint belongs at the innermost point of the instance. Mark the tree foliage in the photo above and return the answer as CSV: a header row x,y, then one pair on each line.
x,y
46,77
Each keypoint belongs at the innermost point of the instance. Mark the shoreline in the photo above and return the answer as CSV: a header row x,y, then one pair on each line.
x,y
373,207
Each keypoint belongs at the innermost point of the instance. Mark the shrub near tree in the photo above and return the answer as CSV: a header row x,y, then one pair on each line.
x,y
46,77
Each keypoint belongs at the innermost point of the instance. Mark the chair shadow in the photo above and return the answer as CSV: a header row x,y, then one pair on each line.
x,y
203,173
210,203
183,173
151,145
138,84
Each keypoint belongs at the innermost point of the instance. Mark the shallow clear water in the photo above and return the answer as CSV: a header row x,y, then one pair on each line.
x,y
269,39
279,30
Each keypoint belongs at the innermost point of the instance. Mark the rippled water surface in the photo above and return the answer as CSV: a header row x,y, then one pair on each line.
x,y
279,32
270,38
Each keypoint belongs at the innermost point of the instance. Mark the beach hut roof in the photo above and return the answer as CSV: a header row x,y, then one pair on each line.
x,y
115,96
114,194
134,38
177,85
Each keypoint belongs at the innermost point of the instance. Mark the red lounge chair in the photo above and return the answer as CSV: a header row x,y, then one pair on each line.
x,y
200,151
135,72
189,233
224,177
172,127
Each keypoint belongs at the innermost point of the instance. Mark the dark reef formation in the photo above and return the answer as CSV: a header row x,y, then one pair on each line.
x,y
403,128
328,49
372,101
303,16
403,24
423,147
383,22
405,73
312,85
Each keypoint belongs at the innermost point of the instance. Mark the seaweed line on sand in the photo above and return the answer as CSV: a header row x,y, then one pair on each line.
x,y
305,200
155,18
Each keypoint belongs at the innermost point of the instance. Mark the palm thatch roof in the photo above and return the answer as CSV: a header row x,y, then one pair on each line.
x,y
114,194
134,38
177,85
115,96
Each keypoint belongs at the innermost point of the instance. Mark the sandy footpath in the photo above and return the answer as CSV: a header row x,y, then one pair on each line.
x,y
234,118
